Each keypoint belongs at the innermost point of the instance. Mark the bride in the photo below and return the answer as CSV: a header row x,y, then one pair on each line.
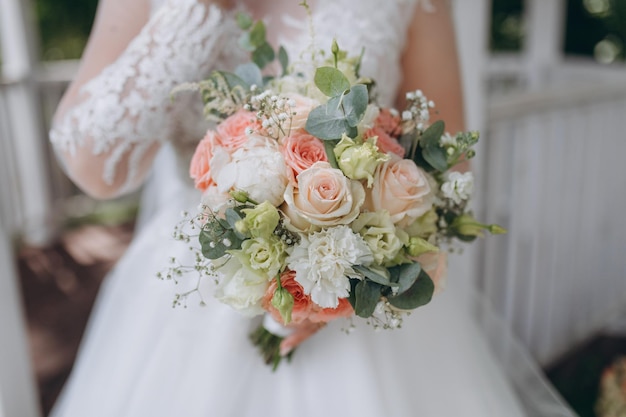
x,y
116,126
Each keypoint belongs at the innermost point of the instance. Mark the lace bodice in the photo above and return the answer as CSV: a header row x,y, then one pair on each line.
x,y
126,110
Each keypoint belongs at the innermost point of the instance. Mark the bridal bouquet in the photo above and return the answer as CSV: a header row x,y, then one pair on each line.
x,y
319,204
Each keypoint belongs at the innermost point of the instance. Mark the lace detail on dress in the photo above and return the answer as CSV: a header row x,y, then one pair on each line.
x,y
379,27
124,111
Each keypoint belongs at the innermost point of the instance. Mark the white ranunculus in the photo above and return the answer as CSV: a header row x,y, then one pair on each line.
x,y
257,168
458,187
323,263
241,288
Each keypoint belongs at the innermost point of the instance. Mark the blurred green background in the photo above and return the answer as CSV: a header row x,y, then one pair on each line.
x,y
594,28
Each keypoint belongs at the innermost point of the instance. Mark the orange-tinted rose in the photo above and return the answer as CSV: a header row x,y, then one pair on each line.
x,y
302,304
232,131
385,142
301,151
200,169
389,122
344,309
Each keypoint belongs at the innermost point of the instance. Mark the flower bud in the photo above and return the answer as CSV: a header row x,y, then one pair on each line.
x,y
259,221
282,301
418,246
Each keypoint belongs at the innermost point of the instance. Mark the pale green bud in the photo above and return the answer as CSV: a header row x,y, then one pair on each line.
x,y
240,196
282,301
424,226
466,225
358,161
260,221
418,246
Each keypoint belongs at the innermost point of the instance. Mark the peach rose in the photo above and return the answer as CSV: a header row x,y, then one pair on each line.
x,y
385,142
301,151
302,304
435,264
324,315
232,131
301,109
200,169
401,188
389,123
323,197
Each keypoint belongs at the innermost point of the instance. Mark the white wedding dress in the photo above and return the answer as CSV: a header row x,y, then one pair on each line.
x,y
142,358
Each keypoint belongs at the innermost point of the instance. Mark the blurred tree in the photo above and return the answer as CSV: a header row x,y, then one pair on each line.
x,y
507,31
64,27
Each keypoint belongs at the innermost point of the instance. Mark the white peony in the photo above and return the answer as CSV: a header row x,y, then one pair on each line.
x,y
323,263
241,288
458,187
257,168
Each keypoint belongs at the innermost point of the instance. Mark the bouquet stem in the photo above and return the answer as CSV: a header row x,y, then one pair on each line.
x,y
269,345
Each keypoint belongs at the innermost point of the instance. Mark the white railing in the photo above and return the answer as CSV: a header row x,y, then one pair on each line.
x,y
554,176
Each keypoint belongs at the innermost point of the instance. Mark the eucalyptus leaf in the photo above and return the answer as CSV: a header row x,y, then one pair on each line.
x,y
374,276
233,80
216,240
419,294
244,20
367,296
436,157
405,275
355,103
257,34
331,81
263,55
250,73
283,58
432,135
327,121
232,217
245,43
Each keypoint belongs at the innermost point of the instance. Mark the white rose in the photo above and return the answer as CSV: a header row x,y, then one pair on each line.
x,y
257,168
240,288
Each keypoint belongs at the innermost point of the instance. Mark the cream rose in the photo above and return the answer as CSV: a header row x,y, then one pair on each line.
x,y
401,188
323,197
258,168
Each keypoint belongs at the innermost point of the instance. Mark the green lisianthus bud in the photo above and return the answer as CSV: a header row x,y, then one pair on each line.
x,y
424,226
358,161
263,255
282,301
418,246
260,221
240,196
466,225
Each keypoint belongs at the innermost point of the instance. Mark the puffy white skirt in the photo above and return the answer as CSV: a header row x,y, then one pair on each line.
x,y
142,358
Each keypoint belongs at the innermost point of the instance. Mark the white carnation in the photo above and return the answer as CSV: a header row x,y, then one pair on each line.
x,y
241,288
458,187
257,168
323,263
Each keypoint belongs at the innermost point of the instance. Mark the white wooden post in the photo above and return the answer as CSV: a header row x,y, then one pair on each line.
x,y
17,386
25,118
544,22
471,19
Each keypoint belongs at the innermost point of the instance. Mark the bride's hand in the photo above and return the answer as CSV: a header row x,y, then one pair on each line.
x,y
302,331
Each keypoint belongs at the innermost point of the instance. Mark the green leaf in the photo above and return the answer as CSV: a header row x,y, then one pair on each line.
x,y
250,73
245,43
233,80
432,135
214,238
436,157
244,20
331,81
283,58
263,55
405,275
257,34
374,276
419,294
329,148
367,295
355,103
328,121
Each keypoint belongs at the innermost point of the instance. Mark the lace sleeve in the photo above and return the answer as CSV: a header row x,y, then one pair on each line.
x,y
108,136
